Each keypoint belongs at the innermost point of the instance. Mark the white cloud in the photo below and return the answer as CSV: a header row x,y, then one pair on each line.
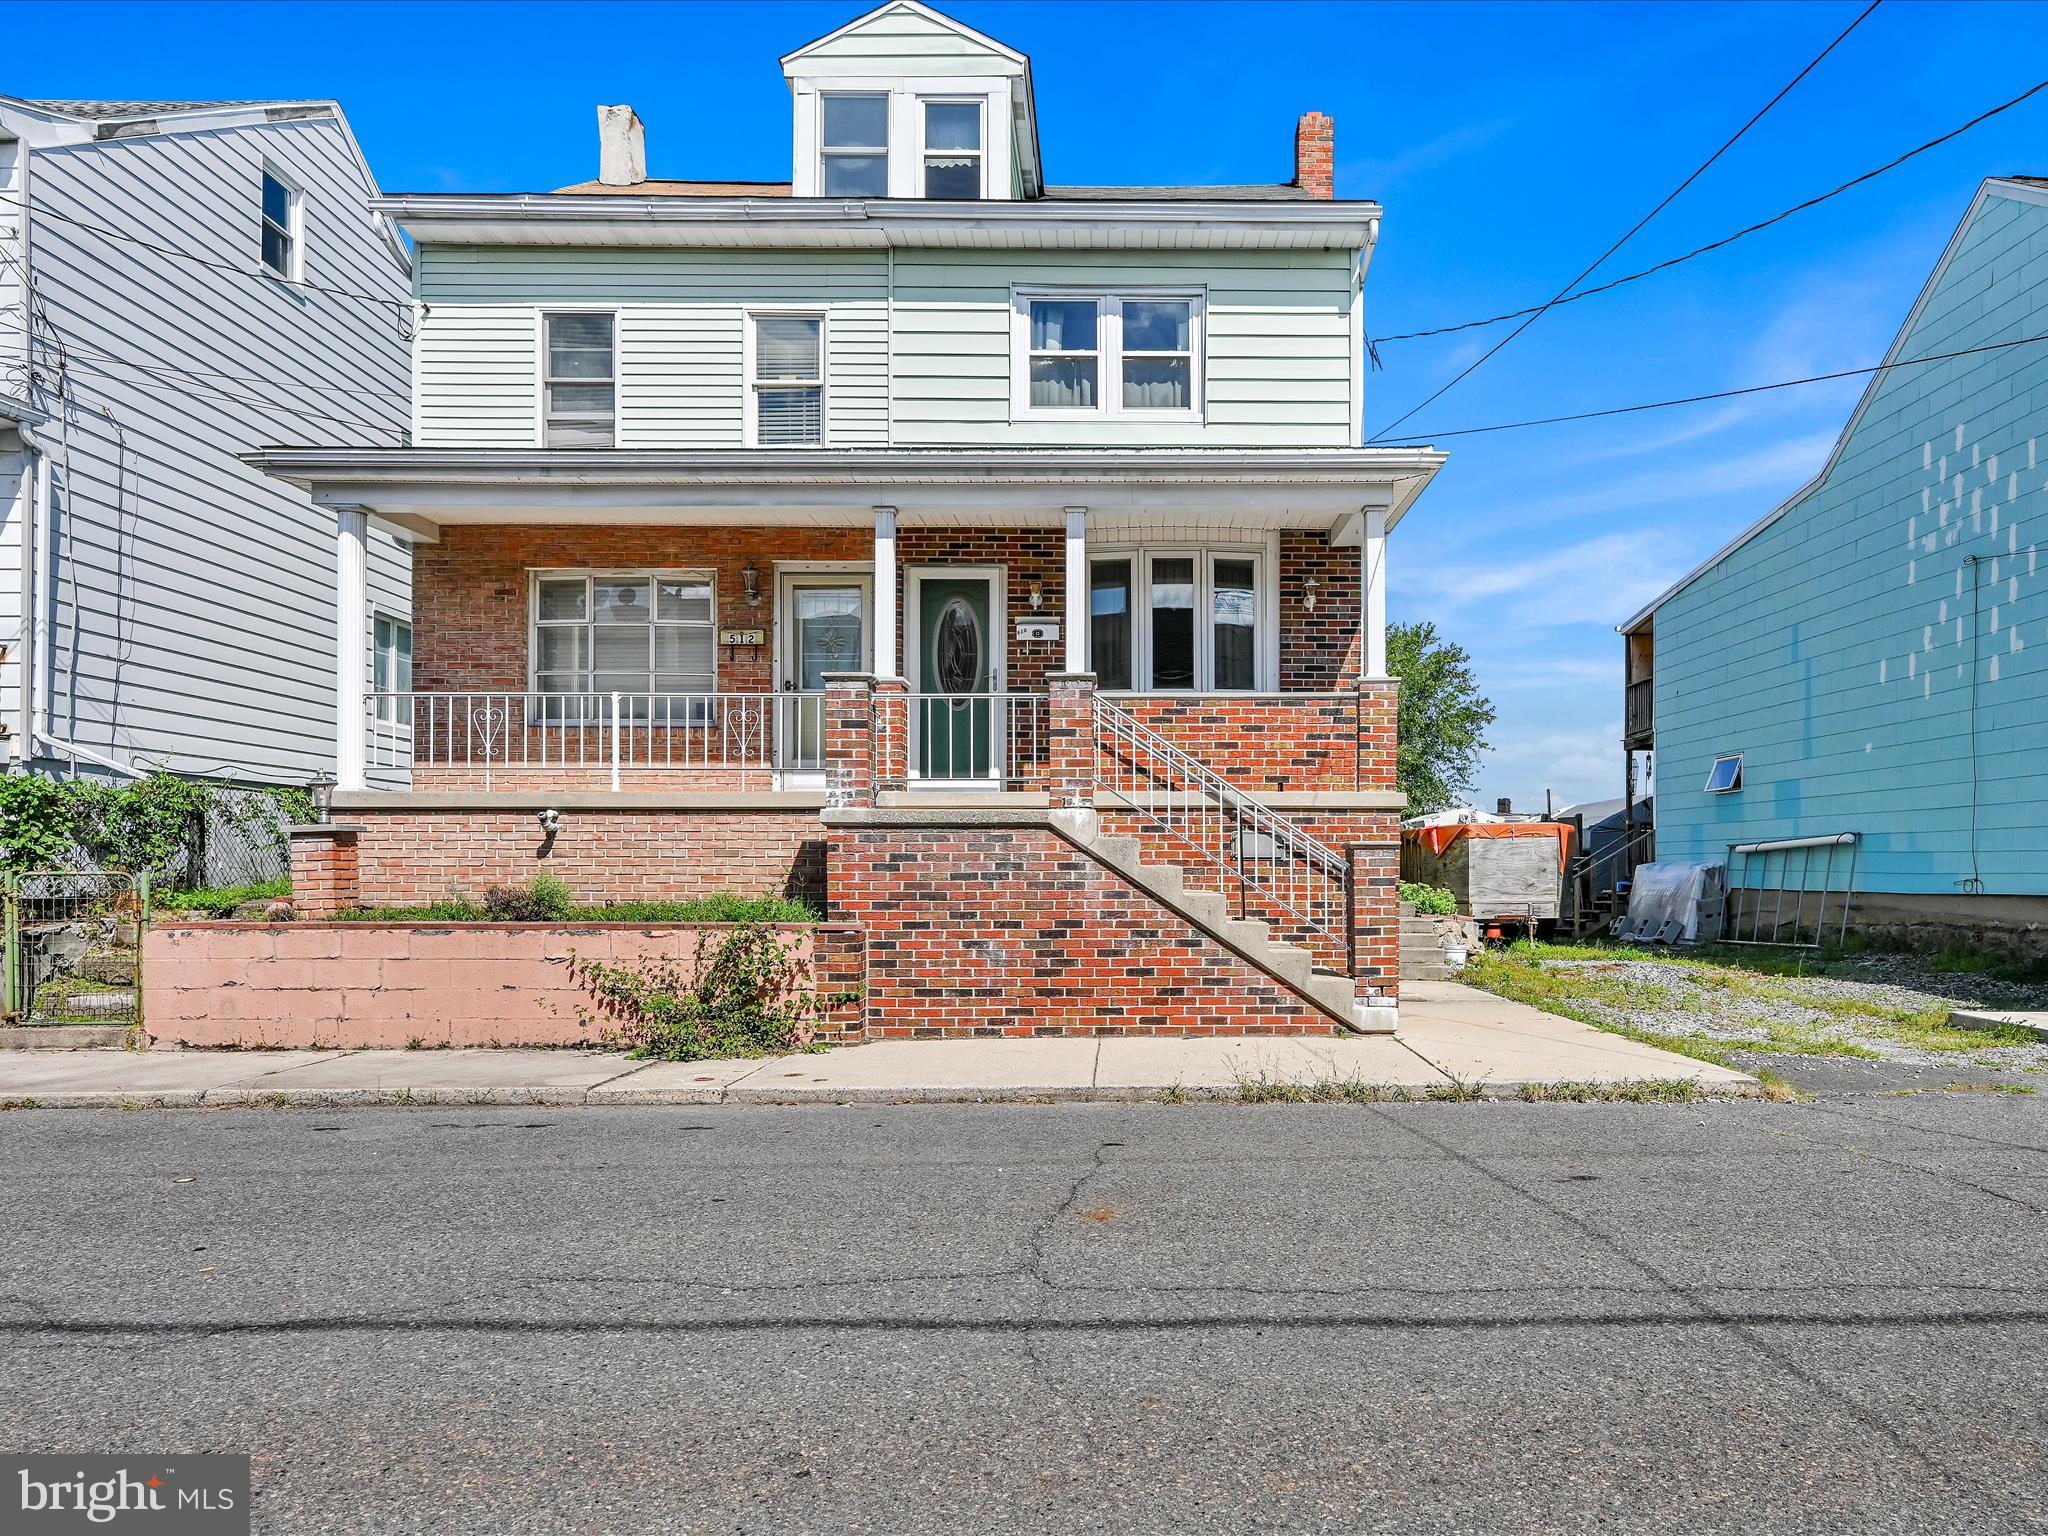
x,y
1378,174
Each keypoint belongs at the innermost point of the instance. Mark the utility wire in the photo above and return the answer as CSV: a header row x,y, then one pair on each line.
x,y
188,392
204,261
1776,218
1719,394
1669,197
202,375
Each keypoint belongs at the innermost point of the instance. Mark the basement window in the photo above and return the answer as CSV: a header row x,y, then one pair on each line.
x,y
1725,777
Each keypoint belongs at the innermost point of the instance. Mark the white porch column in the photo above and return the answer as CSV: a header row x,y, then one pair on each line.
x,y
351,620
1077,589
888,663
1372,620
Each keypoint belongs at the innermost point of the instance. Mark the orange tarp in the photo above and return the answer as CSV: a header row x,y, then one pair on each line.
x,y
1437,839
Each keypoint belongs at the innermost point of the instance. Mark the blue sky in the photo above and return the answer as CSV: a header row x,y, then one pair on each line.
x,y
1510,145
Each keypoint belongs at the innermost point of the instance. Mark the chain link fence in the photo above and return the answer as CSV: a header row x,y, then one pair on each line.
x,y
73,947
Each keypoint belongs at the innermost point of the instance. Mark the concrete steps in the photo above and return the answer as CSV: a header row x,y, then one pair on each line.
x,y
1249,938
1422,956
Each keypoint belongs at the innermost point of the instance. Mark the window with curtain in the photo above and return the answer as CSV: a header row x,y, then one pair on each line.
x,y
1108,354
639,633
1184,619
788,386
952,149
854,144
580,405
391,668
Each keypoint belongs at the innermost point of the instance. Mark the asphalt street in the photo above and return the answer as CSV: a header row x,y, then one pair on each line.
x,y
1730,1316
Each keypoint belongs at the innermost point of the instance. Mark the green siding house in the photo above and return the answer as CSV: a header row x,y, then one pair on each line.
x,y
1875,650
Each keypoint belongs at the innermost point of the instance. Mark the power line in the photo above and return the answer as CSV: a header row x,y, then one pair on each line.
x,y
202,374
1719,394
204,261
1776,218
189,392
1669,197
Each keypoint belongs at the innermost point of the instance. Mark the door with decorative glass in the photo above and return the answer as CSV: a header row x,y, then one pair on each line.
x,y
957,674
825,631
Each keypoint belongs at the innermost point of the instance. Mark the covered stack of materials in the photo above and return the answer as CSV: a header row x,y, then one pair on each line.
x,y
1500,871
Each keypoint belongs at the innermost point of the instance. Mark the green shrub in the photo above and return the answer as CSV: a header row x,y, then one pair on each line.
x,y
1431,899
748,993
221,900
546,898
146,826
721,908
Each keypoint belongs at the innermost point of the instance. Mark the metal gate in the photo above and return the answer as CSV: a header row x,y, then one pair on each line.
x,y
1794,891
74,947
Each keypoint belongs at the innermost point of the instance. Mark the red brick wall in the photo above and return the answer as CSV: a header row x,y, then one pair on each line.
x,y
411,856
1315,154
1263,742
1013,931
324,871
1318,646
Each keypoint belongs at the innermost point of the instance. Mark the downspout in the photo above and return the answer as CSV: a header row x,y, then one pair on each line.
x,y
36,683
26,648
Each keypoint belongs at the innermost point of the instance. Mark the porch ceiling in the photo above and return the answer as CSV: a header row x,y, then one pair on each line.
x,y
1154,492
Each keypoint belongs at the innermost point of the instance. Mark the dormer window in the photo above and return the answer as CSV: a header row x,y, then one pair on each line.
x,y
854,144
952,150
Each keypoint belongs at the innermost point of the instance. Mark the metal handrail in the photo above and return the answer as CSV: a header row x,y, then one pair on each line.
x,y
615,733
1251,846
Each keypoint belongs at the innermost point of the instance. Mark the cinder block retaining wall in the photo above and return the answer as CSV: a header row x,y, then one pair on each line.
x,y
384,985
991,930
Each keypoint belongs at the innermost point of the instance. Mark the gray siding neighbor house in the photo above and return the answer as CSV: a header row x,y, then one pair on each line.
x,y
181,283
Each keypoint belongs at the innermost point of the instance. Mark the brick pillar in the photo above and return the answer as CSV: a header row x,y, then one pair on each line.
x,y
1378,714
324,865
849,739
1070,739
892,733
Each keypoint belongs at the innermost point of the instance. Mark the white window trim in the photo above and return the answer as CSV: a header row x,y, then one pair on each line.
x,y
1109,350
1265,624
535,575
886,150
924,150
1734,788
749,386
295,225
391,724
540,370
906,131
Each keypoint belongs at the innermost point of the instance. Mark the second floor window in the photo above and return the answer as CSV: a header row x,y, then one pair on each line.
x,y
952,150
579,408
1131,355
786,404
854,144
281,250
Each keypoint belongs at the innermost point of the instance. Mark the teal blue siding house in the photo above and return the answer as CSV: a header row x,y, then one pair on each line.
x,y
1875,649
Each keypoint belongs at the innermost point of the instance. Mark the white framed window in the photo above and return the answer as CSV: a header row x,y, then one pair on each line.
x,y
1086,356
952,164
1725,777
391,667
283,227
785,365
1181,620
579,378
853,144
639,633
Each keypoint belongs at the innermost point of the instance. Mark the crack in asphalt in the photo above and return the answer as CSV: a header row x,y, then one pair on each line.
x,y
1740,1327
1938,1174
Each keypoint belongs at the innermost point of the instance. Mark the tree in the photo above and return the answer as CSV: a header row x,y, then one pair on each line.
x,y
1443,717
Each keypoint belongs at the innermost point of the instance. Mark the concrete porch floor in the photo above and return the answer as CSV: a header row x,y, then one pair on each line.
x,y
1449,1033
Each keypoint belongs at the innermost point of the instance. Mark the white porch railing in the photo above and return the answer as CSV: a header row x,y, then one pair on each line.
x,y
979,738
1247,845
610,736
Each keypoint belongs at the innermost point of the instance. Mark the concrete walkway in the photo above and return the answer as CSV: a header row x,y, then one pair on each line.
x,y
1451,1037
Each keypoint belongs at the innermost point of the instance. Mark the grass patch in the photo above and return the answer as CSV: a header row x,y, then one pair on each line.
x,y
1987,1087
221,900
1647,1090
1264,1088
701,909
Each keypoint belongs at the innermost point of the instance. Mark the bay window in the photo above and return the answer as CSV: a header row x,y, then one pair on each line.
x,y
1130,356
636,633
1179,620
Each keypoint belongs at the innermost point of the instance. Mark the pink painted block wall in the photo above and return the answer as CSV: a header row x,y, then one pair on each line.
x,y
380,985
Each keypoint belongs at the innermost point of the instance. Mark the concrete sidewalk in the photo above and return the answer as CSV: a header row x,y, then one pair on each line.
x,y
1451,1036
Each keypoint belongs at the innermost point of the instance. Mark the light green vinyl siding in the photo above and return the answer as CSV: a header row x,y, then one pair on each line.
x,y
901,42
1277,350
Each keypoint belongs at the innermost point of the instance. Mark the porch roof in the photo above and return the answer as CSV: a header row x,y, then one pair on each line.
x,y
1155,491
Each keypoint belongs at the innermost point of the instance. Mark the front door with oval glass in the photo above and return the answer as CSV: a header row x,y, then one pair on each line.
x,y
957,677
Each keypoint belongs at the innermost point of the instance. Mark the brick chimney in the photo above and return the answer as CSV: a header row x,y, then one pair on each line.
x,y
622,147
1315,152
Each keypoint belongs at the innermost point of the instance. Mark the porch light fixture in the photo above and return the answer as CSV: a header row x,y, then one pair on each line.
x,y
321,788
751,575
1037,595
1308,594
